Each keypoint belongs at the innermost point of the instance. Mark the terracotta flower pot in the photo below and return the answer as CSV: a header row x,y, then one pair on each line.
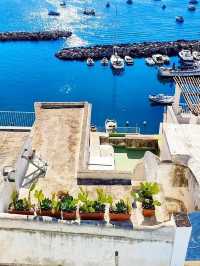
x,y
48,213
148,212
21,212
69,215
119,217
92,215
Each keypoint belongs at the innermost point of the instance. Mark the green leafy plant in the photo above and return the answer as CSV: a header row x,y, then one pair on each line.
x,y
46,204
86,204
55,203
32,187
39,196
122,206
18,204
145,195
68,204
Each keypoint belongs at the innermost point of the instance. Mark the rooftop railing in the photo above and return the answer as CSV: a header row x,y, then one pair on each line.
x,y
123,130
16,119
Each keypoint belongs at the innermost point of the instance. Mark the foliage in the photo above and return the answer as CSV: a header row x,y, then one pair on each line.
x,y
39,195
46,204
145,195
18,204
122,206
68,203
32,187
116,135
55,202
98,205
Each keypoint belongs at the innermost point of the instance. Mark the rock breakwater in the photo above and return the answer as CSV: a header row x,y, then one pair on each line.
x,y
34,36
138,50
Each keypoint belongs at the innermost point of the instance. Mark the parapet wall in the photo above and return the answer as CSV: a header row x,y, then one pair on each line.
x,y
43,243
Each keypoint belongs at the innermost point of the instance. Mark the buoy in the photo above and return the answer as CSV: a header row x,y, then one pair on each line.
x,y
144,123
163,6
108,4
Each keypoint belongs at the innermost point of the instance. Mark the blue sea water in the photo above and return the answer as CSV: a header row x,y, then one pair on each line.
x,y
30,72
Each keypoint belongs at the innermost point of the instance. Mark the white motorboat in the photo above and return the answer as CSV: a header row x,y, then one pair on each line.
x,y
129,60
181,71
117,62
62,3
196,55
186,56
149,61
110,125
104,61
191,7
158,59
90,61
161,99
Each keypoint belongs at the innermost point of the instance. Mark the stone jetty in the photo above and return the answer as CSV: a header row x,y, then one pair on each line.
x,y
34,36
144,49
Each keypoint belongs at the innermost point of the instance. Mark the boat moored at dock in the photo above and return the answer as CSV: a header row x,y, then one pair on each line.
x,y
149,61
158,59
110,125
90,62
196,55
186,57
104,61
184,71
161,99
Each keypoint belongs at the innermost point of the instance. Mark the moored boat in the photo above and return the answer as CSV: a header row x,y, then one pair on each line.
x,y
166,59
104,61
193,2
149,61
90,61
181,71
110,125
158,59
89,12
191,7
161,99
53,13
63,3
129,60
186,56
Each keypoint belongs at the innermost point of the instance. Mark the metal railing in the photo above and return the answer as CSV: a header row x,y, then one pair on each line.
x,y
16,119
123,130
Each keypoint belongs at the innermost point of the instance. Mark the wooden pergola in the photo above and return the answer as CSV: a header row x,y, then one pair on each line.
x,y
190,89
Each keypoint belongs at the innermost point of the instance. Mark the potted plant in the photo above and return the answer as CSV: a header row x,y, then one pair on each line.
x,y
44,204
67,206
120,211
145,195
20,206
92,209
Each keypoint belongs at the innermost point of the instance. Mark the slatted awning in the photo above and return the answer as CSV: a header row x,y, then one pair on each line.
x,y
190,89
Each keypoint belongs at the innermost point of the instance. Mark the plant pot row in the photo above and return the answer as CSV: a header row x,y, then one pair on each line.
x,y
99,216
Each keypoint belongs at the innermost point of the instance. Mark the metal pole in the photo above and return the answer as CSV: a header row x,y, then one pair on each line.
x,y
116,258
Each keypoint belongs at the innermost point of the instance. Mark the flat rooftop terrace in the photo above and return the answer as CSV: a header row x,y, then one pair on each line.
x,y
56,138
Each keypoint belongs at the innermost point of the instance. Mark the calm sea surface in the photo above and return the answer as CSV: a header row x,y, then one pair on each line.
x,y
29,71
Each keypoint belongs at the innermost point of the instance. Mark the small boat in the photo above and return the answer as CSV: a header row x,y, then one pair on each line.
x,y
193,2
129,60
166,59
158,59
110,125
161,99
53,13
89,12
107,4
149,61
188,71
186,57
63,3
191,7
179,19
129,2
90,62
196,55
104,61
116,61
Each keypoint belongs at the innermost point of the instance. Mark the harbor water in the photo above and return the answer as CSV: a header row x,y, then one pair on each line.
x,y
30,72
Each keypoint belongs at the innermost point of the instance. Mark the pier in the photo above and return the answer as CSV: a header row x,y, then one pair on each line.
x,y
34,36
138,50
